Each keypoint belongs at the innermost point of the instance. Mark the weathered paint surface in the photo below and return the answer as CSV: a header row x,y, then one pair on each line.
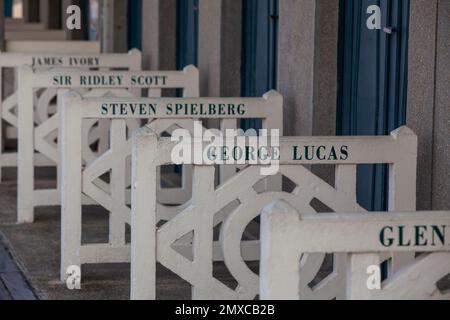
x,y
37,121
287,235
247,200
80,182
39,55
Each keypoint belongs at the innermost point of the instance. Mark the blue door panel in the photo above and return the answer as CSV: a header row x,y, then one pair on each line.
x,y
8,8
187,33
372,83
187,39
134,24
259,50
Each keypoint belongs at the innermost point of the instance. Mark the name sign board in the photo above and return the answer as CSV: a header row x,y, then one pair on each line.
x,y
294,150
9,98
179,108
367,232
289,157
131,60
81,180
365,238
32,138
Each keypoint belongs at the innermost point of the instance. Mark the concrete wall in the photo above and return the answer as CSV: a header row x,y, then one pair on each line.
x,y
220,38
421,81
326,67
51,14
441,148
114,25
30,10
296,48
428,109
308,34
231,48
307,69
159,34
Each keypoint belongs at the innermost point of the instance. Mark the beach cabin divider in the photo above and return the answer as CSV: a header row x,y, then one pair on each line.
x,y
152,244
288,235
35,35
39,138
79,181
36,46
20,25
65,54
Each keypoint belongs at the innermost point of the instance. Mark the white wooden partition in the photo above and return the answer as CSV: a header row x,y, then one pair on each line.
x,y
60,54
17,29
20,25
39,35
151,245
39,139
79,182
287,236
35,46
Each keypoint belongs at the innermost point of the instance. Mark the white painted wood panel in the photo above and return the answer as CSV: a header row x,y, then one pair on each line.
x,y
112,195
36,119
288,235
399,150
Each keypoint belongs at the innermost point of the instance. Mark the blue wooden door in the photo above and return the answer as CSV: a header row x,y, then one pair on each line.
x,y
372,82
8,8
187,33
187,39
259,50
135,24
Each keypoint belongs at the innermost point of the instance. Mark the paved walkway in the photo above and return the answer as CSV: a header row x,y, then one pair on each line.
x,y
13,285
36,247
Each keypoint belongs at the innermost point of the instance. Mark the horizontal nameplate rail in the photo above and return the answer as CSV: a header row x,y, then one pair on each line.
x,y
179,108
55,60
44,46
359,233
400,146
72,79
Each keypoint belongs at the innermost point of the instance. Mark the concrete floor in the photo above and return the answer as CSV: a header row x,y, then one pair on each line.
x,y
36,249
13,285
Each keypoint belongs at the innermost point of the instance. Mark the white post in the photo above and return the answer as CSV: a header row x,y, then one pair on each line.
x,y
118,185
280,266
203,189
402,185
143,217
25,198
70,119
